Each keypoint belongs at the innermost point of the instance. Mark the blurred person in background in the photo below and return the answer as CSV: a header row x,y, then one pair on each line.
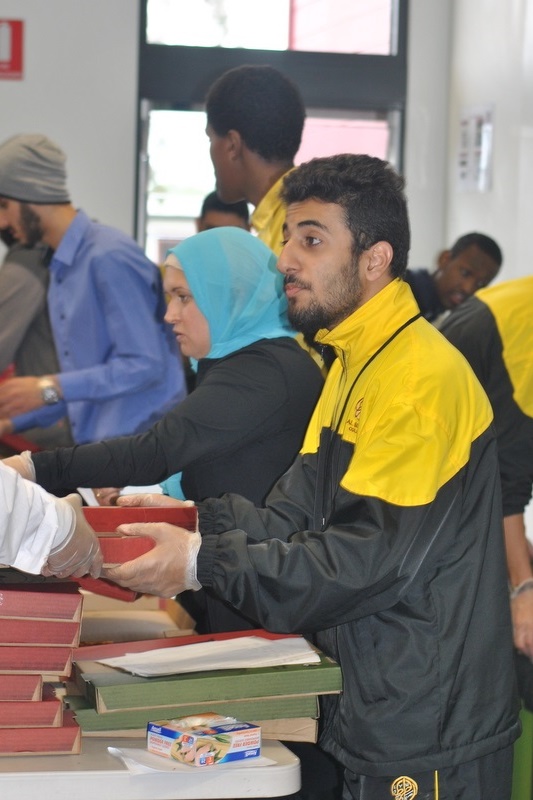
x,y
471,263
26,341
217,214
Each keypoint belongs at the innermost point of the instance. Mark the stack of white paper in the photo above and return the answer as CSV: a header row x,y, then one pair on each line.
x,y
242,653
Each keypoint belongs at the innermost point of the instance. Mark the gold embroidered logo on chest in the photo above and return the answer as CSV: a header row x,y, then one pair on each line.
x,y
351,422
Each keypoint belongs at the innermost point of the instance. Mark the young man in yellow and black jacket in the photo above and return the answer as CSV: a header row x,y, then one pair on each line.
x,y
494,331
383,542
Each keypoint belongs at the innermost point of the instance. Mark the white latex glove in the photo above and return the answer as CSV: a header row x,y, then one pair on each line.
x,y
79,553
22,464
166,570
153,500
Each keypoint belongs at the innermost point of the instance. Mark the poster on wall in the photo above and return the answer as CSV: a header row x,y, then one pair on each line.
x,y
11,38
474,159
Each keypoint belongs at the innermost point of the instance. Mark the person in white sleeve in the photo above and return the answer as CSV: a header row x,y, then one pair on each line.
x,y
43,534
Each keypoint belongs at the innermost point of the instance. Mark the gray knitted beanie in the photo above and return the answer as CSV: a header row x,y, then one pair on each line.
x,y
32,170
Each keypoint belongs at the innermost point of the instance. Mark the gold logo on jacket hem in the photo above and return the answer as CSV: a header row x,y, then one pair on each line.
x,y
404,788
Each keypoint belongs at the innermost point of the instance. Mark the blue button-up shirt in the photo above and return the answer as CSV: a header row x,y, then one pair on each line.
x,y
120,365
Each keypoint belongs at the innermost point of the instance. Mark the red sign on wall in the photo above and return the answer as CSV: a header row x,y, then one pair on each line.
x,y
11,36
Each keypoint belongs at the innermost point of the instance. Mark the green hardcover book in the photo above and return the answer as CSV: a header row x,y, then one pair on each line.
x,y
245,710
109,689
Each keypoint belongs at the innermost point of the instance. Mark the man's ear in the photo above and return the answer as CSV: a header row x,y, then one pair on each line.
x,y
234,143
379,259
442,260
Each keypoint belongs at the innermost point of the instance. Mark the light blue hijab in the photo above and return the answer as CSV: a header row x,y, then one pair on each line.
x,y
233,278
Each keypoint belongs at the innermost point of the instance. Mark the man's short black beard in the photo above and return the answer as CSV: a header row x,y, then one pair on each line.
x,y
315,317
31,226
309,320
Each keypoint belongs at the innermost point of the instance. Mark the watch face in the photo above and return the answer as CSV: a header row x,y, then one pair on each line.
x,y
50,395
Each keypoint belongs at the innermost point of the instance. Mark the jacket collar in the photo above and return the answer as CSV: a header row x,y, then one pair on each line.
x,y
364,331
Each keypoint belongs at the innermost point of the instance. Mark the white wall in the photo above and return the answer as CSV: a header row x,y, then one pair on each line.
x,y
79,88
492,63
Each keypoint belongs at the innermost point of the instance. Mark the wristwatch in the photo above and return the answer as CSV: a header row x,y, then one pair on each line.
x,y
49,393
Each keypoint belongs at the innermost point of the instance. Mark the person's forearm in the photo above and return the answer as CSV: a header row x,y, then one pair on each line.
x,y
32,522
521,583
518,560
137,460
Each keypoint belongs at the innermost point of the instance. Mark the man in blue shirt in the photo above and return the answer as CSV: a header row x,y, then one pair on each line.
x,y
119,365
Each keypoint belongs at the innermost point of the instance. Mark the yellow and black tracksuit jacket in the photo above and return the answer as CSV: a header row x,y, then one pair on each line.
x,y
494,331
383,544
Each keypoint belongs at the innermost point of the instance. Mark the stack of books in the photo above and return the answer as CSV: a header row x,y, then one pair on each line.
x,y
282,699
39,632
40,623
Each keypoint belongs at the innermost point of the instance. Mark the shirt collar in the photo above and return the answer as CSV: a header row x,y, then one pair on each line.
x,y
267,206
66,252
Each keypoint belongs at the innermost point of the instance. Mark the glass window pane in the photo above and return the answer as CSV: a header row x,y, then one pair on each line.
x,y
180,169
328,135
180,174
332,26
218,23
344,26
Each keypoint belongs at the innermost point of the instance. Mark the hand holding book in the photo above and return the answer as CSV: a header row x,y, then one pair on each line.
x,y
168,568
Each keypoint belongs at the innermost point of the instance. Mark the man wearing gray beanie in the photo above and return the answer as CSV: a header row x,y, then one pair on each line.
x,y
33,170
119,365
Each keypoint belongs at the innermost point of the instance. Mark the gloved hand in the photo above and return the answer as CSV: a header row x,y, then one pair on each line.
x,y
80,552
166,570
22,464
107,496
153,500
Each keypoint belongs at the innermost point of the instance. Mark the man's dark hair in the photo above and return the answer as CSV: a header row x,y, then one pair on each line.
x,y
263,105
371,194
212,202
485,243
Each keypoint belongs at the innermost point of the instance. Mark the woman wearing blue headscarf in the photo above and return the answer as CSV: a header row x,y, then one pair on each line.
x,y
224,294
243,424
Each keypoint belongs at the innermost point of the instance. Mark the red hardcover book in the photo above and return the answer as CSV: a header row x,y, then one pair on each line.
x,y
54,663
107,588
41,600
37,632
21,687
45,713
106,519
17,443
62,740
118,549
